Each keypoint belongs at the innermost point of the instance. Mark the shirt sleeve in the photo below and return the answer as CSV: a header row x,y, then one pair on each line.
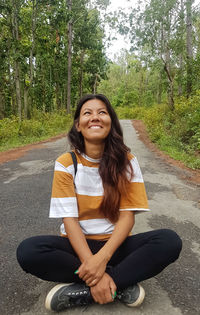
x,y
63,199
135,198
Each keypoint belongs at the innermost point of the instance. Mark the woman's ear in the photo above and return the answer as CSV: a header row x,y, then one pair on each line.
x,y
77,126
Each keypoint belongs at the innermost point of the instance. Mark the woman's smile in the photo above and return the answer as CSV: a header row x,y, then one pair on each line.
x,y
94,121
95,127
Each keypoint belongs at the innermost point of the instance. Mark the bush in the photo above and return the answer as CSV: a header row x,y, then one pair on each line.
x,y
41,126
8,129
177,132
130,112
32,128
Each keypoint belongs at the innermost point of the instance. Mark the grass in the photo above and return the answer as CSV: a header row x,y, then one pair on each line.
x,y
41,127
173,149
175,132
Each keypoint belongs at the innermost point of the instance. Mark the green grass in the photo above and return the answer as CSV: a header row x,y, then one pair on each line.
x,y
175,132
174,150
41,127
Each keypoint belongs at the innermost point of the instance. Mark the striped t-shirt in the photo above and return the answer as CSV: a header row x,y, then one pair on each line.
x,y
81,195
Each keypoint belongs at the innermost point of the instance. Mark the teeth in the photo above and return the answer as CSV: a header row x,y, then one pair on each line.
x,y
95,127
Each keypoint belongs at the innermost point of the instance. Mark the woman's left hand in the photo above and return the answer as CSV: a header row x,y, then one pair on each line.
x,y
92,269
104,291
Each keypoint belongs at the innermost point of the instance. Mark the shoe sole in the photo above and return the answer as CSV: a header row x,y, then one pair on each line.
x,y
140,298
51,294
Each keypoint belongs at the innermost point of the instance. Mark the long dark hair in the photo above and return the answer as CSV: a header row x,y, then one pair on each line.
x,y
114,164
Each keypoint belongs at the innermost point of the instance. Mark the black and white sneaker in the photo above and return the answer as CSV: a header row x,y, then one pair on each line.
x,y
132,296
64,296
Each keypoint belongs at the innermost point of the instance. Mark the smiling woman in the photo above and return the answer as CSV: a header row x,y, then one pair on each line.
x,y
96,250
94,124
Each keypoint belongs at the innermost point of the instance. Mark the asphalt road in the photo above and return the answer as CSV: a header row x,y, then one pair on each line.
x,y
25,188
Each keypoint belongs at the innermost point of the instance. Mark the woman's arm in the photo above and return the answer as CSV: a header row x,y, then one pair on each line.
x,y
92,270
92,266
122,229
77,238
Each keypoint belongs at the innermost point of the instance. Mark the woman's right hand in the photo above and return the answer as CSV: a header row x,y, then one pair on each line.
x,y
104,291
92,269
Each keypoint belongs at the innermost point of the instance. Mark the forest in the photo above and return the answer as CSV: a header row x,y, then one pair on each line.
x,y
54,51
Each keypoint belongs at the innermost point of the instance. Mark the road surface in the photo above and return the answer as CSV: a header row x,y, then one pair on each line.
x,y
25,189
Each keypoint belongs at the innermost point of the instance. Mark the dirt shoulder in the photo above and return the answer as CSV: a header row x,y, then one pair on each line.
x,y
16,153
189,174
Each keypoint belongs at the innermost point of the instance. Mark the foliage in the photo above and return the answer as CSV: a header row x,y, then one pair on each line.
x,y
126,112
165,34
131,83
177,132
34,54
40,127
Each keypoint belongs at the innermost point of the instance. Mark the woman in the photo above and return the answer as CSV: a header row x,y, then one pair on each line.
x,y
96,251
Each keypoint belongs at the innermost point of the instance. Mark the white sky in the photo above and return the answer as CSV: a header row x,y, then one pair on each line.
x,y
121,41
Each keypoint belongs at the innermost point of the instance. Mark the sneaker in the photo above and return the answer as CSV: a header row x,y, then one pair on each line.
x,y
132,296
64,296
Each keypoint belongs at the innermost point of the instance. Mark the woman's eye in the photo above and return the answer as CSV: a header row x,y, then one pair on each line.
x,y
86,113
102,112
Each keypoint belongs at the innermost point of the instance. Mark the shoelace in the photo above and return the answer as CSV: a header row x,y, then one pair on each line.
x,y
77,298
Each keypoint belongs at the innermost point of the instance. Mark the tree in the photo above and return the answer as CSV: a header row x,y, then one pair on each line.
x,y
154,29
16,53
69,58
189,45
45,51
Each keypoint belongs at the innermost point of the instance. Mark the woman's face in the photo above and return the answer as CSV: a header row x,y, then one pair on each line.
x,y
94,121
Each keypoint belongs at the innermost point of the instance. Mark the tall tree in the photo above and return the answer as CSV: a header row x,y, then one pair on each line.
x,y
154,28
45,48
16,54
189,45
69,66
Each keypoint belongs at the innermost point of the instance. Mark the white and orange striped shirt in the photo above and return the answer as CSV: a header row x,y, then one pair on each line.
x,y
81,195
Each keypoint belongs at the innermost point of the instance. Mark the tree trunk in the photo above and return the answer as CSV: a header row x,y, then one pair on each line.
x,y
81,74
171,86
18,90
180,71
27,97
33,28
166,61
189,45
15,32
11,81
69,67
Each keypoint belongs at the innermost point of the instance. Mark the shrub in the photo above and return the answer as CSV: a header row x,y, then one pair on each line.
x,y
130,112
177,132
41,126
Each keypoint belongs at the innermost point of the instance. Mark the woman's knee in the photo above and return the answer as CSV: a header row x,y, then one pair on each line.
x,y
172,243
26,252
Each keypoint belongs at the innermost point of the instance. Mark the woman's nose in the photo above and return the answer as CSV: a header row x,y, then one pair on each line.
x,y
94,116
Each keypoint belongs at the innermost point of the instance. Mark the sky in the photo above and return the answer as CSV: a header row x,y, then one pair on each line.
x,y
122,42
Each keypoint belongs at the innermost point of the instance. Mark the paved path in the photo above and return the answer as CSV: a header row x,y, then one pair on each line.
x,y
25,187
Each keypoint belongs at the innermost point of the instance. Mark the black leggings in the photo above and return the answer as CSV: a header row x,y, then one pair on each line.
x,y
140,257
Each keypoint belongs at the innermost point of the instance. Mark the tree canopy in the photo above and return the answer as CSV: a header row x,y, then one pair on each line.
x,y
34,53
